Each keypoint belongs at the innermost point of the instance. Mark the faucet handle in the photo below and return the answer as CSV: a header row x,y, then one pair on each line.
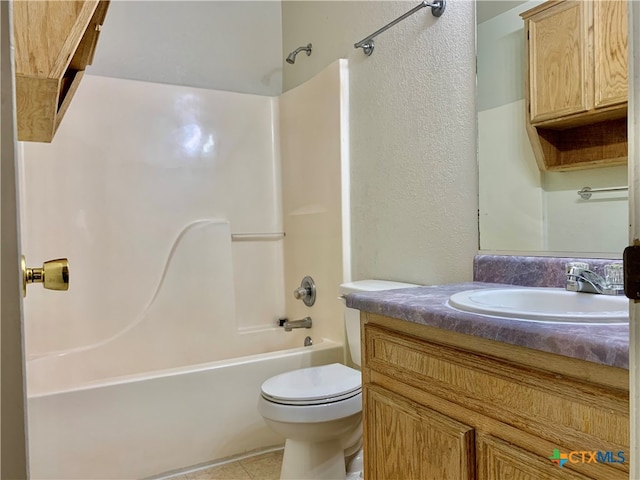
x,y
613,274
573,268
306,291
301,292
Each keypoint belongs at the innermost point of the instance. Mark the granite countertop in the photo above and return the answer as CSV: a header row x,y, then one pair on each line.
x,y
604,344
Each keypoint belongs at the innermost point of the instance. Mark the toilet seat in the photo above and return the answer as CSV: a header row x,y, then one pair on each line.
x,y
313,385
325,412
315,394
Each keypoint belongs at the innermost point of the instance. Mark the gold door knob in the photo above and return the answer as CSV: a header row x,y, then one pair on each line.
x,y
54,275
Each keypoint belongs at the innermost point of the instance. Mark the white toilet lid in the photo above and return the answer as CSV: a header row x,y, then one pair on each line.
x,y
313,385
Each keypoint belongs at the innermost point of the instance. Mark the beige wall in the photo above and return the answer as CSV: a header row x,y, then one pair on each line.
x,y
220,45
413,135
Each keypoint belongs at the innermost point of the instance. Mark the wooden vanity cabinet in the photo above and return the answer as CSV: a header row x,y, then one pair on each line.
x,y
403,428
54,42
439,405
501,460
576,83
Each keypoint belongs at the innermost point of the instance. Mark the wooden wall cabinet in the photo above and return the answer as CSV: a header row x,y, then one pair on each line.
x,y
436,411
576,88
54,42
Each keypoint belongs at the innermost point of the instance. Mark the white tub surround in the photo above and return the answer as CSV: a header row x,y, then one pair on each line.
x,y
114,191
314,127
169,208
189,320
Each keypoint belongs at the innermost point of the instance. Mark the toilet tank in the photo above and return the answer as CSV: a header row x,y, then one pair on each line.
x,y
352,316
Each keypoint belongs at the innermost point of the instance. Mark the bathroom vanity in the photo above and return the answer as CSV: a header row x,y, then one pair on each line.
x,y
453,395
438,405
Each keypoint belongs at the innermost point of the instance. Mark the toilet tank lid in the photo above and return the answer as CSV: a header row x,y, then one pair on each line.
x,y
372,286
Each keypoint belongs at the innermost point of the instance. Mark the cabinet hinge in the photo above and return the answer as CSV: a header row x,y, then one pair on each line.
x,y
631,269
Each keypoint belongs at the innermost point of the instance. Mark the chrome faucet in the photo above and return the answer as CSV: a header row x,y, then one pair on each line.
x,y
581,279
290,325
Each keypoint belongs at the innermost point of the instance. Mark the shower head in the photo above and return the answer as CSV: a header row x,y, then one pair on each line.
x,y
291,58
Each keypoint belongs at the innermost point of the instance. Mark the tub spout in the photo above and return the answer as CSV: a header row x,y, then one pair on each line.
x,y
290,325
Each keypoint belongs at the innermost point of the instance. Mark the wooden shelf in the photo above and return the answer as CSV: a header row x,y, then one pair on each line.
x,y
602,144
54,42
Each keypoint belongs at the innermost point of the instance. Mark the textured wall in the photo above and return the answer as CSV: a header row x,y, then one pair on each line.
x,y
221,45
413,136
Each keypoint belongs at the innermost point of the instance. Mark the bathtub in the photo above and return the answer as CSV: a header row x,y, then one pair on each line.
x,y
140,425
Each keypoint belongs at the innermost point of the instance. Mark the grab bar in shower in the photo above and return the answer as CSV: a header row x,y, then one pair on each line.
x,y
254,237
585,192
367,45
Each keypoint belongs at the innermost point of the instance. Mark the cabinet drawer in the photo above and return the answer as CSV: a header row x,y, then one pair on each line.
x,y
566,412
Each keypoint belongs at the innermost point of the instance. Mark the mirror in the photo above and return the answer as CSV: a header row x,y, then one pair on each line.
x,y
523,209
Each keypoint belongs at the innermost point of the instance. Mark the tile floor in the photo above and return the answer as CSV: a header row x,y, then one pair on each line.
x,y
260,467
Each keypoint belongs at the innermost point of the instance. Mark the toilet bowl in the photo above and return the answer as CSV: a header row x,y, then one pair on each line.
x,y
318,410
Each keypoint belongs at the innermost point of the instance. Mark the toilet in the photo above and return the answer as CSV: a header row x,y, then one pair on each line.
x,y
319,409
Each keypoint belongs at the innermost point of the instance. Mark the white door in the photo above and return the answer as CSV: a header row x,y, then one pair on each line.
x,y
634,217
13,456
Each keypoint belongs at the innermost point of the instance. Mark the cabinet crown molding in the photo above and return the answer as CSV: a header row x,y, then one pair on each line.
x,y
54,42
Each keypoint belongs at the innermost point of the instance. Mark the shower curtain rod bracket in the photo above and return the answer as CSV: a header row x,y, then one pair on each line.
x,y
368,47
437,7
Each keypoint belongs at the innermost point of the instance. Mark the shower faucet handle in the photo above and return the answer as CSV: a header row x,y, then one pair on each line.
x,y
300,292
306,291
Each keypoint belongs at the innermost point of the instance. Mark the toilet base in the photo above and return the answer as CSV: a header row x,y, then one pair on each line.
x,y
313,461
355,464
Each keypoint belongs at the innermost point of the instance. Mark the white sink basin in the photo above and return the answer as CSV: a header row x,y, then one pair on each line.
x,y
553,305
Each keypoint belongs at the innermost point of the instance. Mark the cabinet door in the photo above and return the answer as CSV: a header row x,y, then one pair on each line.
x,y
406,441
559,61
610,52
499,460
